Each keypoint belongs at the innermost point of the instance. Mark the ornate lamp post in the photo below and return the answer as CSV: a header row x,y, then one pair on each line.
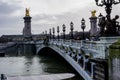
x,y
45,32
53,33
83,26
58,30
64,31
110,28
108,5
50,33
71,28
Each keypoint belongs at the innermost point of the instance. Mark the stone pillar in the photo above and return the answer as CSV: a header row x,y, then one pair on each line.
x,y
92,69
93,29
27,27
84,62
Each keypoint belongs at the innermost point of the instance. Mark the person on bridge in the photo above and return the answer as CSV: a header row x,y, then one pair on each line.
x,y
46,41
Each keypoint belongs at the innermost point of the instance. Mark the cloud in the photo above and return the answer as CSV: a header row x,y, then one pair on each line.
x,y
47,14
6,13
9,22
7,9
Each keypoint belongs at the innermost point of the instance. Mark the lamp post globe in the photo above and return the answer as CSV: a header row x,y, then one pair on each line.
x,y
71,28
64,29
83,27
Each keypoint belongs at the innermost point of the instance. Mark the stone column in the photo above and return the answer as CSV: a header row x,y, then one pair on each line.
x,y
84,62
27,27
92,69
93,29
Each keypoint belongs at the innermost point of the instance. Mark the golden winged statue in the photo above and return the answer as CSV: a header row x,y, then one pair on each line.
x,y
93,13
27,12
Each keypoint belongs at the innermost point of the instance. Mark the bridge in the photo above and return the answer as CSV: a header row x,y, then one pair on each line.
x,y
88,58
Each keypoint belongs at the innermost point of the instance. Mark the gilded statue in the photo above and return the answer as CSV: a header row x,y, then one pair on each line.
x,y
93,13
27,12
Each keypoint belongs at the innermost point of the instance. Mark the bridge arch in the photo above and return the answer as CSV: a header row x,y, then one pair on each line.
x,y
49,51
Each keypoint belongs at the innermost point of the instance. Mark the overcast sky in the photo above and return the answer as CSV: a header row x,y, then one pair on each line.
x,y
47,14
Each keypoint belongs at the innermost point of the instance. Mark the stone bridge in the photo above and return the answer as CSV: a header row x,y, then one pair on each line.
x,y
88,58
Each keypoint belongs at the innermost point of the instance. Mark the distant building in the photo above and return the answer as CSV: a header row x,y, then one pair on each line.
x,y
20,37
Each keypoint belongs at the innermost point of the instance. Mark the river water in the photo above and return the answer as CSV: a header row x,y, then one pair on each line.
x,y
34,65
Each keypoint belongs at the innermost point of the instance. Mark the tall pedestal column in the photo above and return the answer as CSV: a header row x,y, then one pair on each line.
x,y
27,28
93,30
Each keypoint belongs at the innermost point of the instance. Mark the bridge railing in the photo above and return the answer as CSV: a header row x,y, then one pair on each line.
x,y
97,48
68,42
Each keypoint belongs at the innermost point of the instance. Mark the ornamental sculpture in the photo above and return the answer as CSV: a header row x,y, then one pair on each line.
x,y
27,12
109,26
93,13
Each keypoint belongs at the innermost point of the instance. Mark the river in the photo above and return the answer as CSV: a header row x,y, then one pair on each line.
x,y
26,65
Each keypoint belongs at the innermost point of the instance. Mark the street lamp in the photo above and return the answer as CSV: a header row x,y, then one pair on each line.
x,y
53,33
50,33
45,32
108,5
64,31
58,30
83,26
71,28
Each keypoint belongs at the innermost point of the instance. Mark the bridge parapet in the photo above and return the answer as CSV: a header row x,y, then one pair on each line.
x,y
94,48
98,49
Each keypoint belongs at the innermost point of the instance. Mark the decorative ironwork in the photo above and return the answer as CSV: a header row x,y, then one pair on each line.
x,y
111,24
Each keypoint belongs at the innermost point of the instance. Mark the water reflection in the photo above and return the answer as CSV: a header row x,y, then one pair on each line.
x,y
36,65
21,63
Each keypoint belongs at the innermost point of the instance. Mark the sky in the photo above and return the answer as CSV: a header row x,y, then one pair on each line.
x,y
47,14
